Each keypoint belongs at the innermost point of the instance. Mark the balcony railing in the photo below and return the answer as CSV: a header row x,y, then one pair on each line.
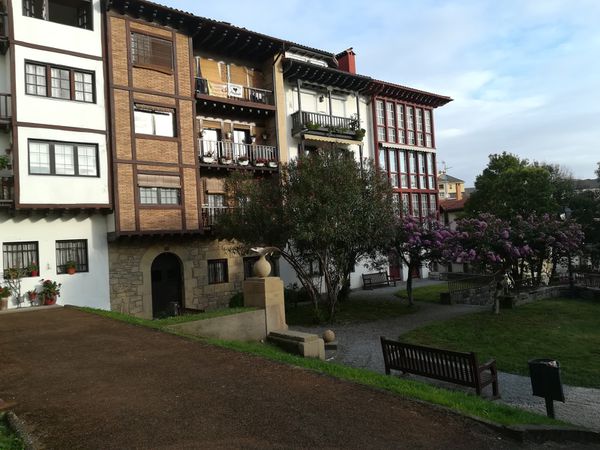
x,y
7,191
236,153
233,91
5,107
324,124
210,214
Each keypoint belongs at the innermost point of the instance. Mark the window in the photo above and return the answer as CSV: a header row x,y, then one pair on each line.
x,y
19,255
160,196
415,205
424,205
314,268
59,82
412,167
382,160
380,133
403,173
405,204
72,251
217,271
154,121
411,118
391,116
152,52
422,171
380,121
432,205
393,169
35,79
76,13
63,158
428,129
430,171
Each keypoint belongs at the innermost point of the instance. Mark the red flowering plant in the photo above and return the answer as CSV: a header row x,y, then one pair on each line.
x,y
50,289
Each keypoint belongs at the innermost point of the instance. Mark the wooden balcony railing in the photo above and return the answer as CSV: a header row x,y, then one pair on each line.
x,y
5,107
233,91
210,214
324,123
237,153
7,191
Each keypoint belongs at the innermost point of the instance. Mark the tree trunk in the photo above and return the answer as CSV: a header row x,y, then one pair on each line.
x,y
409,286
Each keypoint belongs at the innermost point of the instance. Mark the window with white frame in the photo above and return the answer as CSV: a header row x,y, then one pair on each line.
x,y
62,158
393,169
156,121
415,205
422,171
403,171
412,167
430,171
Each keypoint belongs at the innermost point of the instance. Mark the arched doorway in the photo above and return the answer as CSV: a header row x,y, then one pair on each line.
x,y
167,285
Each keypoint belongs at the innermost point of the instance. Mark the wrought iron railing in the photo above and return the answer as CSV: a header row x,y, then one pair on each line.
x,y
211,214
5,107
236,153
233,91
469,281
7,190
335,125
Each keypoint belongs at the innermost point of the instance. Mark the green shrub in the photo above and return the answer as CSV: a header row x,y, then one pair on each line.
x,y
237,301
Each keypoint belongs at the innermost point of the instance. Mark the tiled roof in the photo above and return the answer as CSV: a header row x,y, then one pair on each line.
x,y
445,178
452,205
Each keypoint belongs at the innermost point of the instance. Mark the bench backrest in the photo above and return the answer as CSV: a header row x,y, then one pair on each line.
x,y
445,365
379,277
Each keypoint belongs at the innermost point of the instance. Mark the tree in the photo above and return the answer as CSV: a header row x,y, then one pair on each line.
x,y
417,242
598,172
323,211
585,207
510,186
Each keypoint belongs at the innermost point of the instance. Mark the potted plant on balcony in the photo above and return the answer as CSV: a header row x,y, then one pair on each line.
x,y
260,162
359,134
32,296
253,139
272,163
4,294
4,162
50,291
226,160
208,157
71,267
243,160
33,269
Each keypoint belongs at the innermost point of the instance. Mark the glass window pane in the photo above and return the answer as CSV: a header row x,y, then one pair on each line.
x,y
64,161
39,157
143,122
164,124
86,158
148,196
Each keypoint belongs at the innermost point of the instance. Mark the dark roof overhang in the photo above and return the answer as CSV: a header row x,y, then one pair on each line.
x,y
294,70
407,94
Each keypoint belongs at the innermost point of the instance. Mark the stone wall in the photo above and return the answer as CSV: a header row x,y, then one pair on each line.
x,y
130,262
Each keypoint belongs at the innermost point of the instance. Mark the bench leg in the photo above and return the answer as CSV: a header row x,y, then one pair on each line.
x,y
495,389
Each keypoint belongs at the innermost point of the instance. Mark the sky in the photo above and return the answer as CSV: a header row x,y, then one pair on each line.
x,y
524,74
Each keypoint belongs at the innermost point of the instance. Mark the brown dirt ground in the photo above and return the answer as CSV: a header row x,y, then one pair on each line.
x,y
83,381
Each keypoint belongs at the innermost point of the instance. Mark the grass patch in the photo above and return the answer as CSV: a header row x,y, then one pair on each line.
x,y
352,310
458,401
429,293
8,439
565,329
161,323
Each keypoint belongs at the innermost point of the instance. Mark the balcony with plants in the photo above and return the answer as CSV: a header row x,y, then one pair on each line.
x,y
327,125
5,111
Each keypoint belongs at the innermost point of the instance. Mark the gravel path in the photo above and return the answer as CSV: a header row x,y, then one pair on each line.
x,y
359,346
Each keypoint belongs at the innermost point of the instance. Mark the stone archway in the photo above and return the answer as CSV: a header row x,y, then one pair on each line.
x,y
167,284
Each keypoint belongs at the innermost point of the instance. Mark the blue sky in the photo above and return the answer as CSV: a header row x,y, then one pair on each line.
x,y
524,75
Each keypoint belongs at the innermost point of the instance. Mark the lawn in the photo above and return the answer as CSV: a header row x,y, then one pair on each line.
x,y
352,310
458,401
564,329
429,293
8,439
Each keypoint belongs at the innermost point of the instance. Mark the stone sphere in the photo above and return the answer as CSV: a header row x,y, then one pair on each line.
x,y
328,336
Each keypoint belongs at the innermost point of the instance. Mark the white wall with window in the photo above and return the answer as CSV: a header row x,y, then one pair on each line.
x,y
57,89
62,167
55,242
74,26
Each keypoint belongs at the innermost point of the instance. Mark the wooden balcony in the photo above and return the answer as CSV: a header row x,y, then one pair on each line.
x,y
211,214
325,125
234,93
5,110
230,155
7,192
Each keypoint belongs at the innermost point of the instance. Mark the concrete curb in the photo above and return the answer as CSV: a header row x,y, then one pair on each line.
x,y
19,427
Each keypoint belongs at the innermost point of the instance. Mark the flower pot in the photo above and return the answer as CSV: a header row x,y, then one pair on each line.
x,y
243,162
3,303
71,270
208,159
273,164
225,161
34,273
50,300
259,164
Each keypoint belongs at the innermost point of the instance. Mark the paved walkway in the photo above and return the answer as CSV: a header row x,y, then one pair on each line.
x,y
83,381
359,346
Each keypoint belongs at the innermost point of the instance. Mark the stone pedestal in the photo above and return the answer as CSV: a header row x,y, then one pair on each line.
x,y
267,293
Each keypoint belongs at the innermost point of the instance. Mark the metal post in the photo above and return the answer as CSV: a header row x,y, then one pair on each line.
x,y
549,407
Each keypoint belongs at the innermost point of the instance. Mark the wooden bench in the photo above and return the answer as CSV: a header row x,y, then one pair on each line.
x,y
455,367
371,280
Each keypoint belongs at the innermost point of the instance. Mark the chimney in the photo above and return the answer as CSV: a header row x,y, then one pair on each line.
x,y
347,61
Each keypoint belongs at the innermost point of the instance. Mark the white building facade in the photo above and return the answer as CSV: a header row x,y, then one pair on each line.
x,y
55,193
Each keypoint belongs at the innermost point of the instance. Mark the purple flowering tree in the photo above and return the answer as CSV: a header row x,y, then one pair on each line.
x,y
417,242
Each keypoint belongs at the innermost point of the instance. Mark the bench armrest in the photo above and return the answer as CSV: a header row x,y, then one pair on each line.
x,y
491,365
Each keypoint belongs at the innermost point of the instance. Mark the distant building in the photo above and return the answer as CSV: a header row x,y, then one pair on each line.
x,y
591,184
450,187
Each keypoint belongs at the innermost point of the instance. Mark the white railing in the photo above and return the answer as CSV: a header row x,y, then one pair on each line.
x,y
234,151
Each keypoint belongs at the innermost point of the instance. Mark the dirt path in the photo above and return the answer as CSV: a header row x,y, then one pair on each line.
x,y
83,381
